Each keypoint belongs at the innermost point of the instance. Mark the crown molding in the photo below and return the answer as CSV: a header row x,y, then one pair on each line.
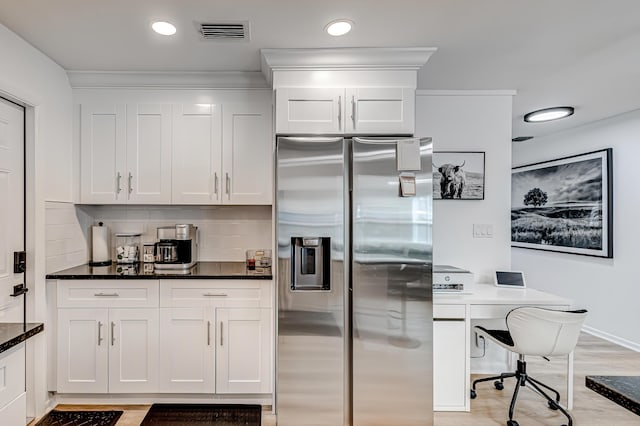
x,y
166,80
405,58
465,92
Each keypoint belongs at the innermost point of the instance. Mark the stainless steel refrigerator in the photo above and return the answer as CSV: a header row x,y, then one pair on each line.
x,y
354,231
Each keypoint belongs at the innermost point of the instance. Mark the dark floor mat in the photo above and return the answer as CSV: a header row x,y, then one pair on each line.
x,y
80,418
203,414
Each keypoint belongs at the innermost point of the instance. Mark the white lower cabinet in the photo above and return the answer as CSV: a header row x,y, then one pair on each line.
x,y
450,387
107,350
13,401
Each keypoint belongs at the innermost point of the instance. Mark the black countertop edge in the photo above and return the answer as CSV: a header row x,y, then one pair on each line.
x,y
202,270
14,333
623,390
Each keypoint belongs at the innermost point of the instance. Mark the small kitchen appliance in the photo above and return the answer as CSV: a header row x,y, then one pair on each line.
x,y
177,247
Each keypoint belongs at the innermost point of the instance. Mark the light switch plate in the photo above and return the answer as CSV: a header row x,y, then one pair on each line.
x,y
482,230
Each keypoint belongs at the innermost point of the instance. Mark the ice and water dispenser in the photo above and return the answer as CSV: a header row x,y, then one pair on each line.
x,y
310,263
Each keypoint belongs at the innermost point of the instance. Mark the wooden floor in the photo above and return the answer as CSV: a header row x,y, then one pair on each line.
x,y
593,356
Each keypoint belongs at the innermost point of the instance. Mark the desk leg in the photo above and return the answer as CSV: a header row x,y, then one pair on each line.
x,y
570,381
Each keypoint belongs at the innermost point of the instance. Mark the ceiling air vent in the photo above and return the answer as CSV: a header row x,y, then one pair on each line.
x,y
225,31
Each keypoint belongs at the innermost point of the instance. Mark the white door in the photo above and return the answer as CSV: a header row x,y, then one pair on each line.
x,y
196,159
243,363
148,179
133,350
83,350
380,111
103,175
310,111
247,153
187,350
11,206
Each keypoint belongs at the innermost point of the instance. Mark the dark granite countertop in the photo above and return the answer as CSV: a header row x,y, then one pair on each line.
x,y
202,270
12,333
623,390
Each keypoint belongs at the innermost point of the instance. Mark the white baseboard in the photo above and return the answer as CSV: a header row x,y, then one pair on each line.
x,y
612,338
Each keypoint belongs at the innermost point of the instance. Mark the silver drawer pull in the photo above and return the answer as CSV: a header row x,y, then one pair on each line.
x,y
215,295
113,333
100,338
221,333
208,333
106,294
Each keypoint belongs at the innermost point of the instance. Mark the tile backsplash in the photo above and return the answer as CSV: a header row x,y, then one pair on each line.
x,y
66,236
224,232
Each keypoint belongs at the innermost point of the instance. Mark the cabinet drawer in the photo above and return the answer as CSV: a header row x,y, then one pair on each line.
x,y
108,293
11,374
501,311
449,311
218,293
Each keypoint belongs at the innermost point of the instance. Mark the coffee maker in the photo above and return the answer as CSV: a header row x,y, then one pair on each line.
x,y
177,247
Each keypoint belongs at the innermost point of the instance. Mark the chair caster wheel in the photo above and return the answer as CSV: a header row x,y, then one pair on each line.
x,y
473,394
499,385
552,405
512,423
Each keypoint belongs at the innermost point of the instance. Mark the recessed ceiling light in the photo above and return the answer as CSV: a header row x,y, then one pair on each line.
x,y
164,28
339,27
548,114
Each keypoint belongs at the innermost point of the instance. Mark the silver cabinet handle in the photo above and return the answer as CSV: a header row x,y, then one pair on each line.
x,y
130,185
228,185
118,187
353,111
113,333
215,184
221,333
208,333
339,112
100,339
106,294
215,295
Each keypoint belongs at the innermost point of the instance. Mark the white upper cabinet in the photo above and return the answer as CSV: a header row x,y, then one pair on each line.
x,y
149,153
125,153
247,164
309,111
103,153
380,111
351,111
197,162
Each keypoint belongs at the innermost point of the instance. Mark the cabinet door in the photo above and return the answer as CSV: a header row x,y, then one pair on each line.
x,y
148,179
196,159
247,153
133,350
380,111
310,111
103,154
82,350
450,378
243,363
187,350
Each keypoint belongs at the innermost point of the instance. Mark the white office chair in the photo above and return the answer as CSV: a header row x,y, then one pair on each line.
x,y
538,332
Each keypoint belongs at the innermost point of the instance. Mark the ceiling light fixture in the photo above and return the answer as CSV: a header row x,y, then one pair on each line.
x,y
339,27
164,28
548,114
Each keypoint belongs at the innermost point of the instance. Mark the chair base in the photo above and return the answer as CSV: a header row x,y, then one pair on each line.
x,y
522,379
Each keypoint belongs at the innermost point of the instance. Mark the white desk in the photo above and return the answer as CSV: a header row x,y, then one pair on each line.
x,y
452,315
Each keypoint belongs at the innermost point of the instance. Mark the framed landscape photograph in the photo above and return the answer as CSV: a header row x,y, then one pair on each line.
x,y
458,175
564,205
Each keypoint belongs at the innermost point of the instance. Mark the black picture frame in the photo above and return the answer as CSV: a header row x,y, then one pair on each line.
x,y
564,205
453,165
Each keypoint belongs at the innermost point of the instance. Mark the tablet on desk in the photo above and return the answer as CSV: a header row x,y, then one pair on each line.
x,y
510,279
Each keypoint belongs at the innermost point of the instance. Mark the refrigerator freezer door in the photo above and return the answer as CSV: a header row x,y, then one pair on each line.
x,y
391,289
311,378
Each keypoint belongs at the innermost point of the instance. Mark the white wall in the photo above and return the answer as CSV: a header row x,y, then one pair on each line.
x,y
31,78
608,288
471,121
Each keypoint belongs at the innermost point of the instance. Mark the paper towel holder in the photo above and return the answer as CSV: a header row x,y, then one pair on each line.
x,y
101,262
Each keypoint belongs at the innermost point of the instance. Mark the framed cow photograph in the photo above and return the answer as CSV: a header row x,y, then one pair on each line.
x,y
458,175
564,205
